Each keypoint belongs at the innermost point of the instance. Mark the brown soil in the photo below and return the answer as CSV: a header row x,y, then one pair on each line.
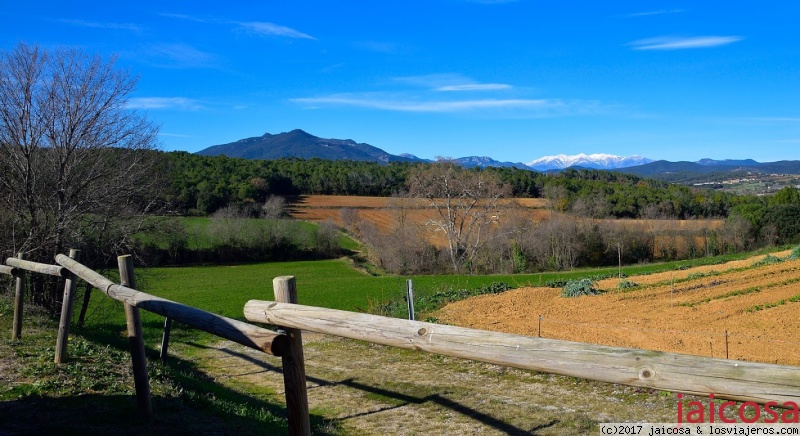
x,y
666,312
384,213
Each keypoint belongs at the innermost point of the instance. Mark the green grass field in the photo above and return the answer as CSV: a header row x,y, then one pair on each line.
x,y
326,283
198,236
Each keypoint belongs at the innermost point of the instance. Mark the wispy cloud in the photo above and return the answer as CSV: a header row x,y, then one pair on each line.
x,y
379,47
174,103
492,2
659,12
188,18
260,28
401,103
270,29
475,87
780,119
679,43
180,56
449,82
101,25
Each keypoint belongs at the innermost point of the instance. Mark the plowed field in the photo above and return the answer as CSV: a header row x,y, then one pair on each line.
x,y
384,212
687,311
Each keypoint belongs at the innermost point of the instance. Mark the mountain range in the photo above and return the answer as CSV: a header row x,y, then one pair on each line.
x,y
595,161
300,144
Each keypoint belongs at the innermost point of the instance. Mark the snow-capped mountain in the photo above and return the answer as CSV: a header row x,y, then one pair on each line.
x,y
597,161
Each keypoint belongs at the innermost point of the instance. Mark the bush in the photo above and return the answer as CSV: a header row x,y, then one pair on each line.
x,y
626,284
576,288
768,260
795,254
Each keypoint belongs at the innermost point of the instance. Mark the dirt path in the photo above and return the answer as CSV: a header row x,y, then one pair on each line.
x,y
685,311
371,389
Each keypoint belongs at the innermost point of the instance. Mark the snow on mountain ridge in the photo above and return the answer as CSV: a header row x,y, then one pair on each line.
x,y
596,160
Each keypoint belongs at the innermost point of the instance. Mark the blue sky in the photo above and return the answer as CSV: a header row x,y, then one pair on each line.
x,y
513,80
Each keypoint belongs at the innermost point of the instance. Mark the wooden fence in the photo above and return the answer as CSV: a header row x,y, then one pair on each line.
x,y
726,379
240,332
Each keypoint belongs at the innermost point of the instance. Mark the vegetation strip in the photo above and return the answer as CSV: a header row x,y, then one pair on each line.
x,y
765,306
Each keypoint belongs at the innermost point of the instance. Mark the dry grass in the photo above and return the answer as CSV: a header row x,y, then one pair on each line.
x,y
371,389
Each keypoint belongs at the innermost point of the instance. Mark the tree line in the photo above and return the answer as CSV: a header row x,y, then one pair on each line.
x,y
472,231
203,184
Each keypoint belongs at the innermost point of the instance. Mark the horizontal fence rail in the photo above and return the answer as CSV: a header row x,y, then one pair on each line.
x,y
728,379
240,332
8,270
41,268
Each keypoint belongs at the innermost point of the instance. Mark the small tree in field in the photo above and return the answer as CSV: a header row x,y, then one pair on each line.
x,y
75,161
467,205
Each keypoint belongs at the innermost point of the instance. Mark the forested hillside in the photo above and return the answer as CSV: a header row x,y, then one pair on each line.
x,y
204,184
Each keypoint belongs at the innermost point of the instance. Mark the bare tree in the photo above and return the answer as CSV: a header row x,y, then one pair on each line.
x,y
274,207
466,204
74,158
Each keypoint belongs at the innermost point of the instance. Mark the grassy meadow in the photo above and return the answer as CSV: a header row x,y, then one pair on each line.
x,y
333,283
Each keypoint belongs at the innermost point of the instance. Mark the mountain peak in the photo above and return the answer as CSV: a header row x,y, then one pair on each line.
x,y
596,161
301,144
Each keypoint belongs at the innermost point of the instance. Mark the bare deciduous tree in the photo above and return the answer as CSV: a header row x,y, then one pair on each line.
x,y
74,158
274,207
466,204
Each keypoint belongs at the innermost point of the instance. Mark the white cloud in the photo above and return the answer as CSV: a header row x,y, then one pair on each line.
x,y
181,55
400,103
450,82
659,12
492,2
433,80
678,43
176,103
174,135
379,47
98,25
270,29
475,87
261,28
187,18
780,119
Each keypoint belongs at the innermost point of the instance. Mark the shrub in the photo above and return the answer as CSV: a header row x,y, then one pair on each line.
x,y
696,275
626,284
556,283
795,253
576,288
768,260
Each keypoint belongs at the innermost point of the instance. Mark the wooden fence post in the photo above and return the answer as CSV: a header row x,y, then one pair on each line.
x,y
19,297
70,284
410,299
294,371
134,322
165,339
85,306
